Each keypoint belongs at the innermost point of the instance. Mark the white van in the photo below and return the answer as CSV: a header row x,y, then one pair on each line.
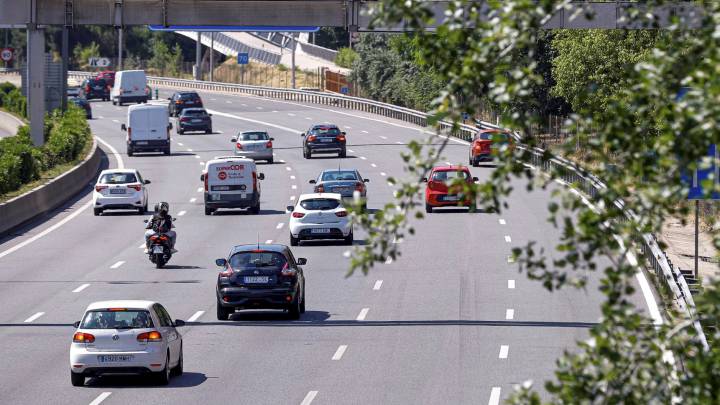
x,y
148,129
129,87
231,182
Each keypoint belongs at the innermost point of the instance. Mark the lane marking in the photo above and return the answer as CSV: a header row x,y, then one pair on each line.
x,y
363,313
292,198
294,187
509,314
390,184
113,151
274,111
180,144
228,101
649,298
189,150
511,284
195,316
398,142
291,114
269,241
448,163
197,156
365,132
494,396
501,221
116,121
288,168
213,99
101,117
389,260
308,118
82,287
280,225
200,189
142,246
373,165
181,213
192,200
504,349
339,352
309,398
363,158
377,285
351,151
244,105
507,239
34,317
100,398
292,177
383,174
118,264
259,108
348,127
202,163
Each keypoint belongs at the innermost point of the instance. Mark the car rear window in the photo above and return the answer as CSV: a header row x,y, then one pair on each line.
x,y
339,175
254,260
194,112
96,82
254,136
118,178
325,131
189,96
449,175
321,204
117,319
497,137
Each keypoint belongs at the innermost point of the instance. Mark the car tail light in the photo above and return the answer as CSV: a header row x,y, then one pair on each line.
x,y
152,336
81,337
254,181
100,188
227,272
287,271
87,88
129,136
206,181
298,214
239,146
311,138
178,102
436,185
341,214
340,138
184,119
359,187
320,189
268,145
137,187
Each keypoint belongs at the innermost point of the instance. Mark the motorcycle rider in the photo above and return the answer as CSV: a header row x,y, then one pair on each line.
x,y
161,222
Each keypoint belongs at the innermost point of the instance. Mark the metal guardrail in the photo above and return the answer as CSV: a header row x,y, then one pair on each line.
x,y
566,170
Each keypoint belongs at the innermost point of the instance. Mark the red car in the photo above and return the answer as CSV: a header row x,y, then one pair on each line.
x,y
109,77
485,141
439,191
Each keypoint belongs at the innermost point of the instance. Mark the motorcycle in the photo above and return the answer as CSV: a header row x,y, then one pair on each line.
x,y
159,250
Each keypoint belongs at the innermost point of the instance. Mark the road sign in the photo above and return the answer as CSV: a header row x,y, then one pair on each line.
x,y
703,174
95,61
231,28
6,54
344,90
243,59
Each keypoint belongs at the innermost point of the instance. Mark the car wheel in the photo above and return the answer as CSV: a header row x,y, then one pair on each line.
x,y
180,131
76,379
114,102
428,208
142,209
223,314
163,377
342,154
208,131
209,211
178,369
348,240
302,303
294,241
255,209
271,161
294,309
97,211
167,151
308,154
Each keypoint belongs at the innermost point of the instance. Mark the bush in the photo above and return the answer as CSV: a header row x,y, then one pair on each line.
x,y
346,57
14,102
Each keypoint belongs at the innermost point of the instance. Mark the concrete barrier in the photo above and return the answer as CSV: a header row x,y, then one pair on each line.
x,y
50,195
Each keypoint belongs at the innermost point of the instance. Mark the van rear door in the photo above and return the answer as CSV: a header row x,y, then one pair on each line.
x,y
230,177
138,120
158,121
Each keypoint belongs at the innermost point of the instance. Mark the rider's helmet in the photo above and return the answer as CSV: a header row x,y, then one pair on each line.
x,y
163,208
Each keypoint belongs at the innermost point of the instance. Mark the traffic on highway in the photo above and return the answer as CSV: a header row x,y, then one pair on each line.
x,y
209,260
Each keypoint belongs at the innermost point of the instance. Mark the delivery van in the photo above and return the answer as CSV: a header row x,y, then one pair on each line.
x,y
231,182
129,87
148,129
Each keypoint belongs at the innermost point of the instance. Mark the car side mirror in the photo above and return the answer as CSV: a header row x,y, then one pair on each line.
x,y
261,176
312,182
366,180
343,132
146,182
170,126
209,115
475,179
301,261
146,221
221,262
424,179
233,140
179,323
272,139
76,324
123,127
202,177
170,98
290,208
302,134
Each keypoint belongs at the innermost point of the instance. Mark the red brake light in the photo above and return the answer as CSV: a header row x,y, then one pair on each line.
x,y
239,145
254,181
152,336
341,214
298,214
184,119
81,337
268,145
178,102
288,272
87,88
117,309
206,181
320,189
341,138
137,187
100,188
227,272
311,138
359,186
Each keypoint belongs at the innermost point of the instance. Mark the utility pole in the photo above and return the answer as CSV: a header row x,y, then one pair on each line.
x,y
294,45
697,232
212,56
64,74
198,56
120,48
35,76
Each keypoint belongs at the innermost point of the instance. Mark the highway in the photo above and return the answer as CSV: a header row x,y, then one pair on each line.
x,y
449,322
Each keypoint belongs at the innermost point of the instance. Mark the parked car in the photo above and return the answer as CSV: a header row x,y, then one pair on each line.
x,y
108,76
184,99
486,143
82,103
440,192
256,145
126,337
260,276
231,182
194,119
342,181
94,88
323,138
129,87
73,91
120,189
148,129
319,216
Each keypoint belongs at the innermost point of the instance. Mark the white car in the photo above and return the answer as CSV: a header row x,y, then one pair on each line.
x,y
126,337
120,189
256,145
319,216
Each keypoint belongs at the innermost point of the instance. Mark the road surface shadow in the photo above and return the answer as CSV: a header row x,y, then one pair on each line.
x,y
187,379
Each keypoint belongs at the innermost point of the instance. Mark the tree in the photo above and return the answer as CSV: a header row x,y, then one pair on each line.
x,y
82,54
639,127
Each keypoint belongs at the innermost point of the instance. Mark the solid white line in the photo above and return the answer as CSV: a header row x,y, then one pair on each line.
x,y
339,352
292,177
34,317
269,241
649,298
373,165
100,398
502,221
309,398
511,284
363,158
82,287
192,200
494,396
509,313
181,213
507,239
504,349
383,174
280,225
294,187
363,313
118,264
200,189
195,316
377,285
120,163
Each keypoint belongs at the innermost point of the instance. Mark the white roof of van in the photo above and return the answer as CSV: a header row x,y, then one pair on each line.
x,y
147,107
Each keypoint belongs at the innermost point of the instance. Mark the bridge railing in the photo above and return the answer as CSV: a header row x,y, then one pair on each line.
x,y
567,171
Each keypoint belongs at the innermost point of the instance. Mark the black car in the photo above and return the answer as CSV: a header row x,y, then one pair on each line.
x,y
184,99
95,88
323,138
260,276
194,119
82,103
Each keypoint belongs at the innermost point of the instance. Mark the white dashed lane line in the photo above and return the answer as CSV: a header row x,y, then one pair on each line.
x,y
100,398
180,144
202,163
351,151
511,284
377,285
292,177
197,156
504,349
116,121
363,313
339,352
501,221
507,239
288,168
228,101
363,158
195,316
494,396
348,127
308,118
291,114
383,137
280,225
200,189
398,142
365,132
118,264
181,213
383,174
509,314
244,105
292,198
34,317
373,165
294,187
192,200
309,398
82,287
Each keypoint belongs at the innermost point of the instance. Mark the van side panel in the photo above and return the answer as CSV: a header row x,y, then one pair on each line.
x,y
129,86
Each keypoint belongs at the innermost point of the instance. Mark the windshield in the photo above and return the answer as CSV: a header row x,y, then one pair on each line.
x,y
325,131
118,178
254,136
449,175
495,136
321,204
339,175
253,260
117,319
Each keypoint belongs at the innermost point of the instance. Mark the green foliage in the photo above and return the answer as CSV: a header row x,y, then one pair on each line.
x,y
82,54
332,37
346,57
12,100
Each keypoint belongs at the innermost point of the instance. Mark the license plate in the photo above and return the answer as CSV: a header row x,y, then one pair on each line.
x,y
189,102
320,230
117,191
326,139
196,121
158,249
221,188
256,279
141,142
97,88
451,198
115,358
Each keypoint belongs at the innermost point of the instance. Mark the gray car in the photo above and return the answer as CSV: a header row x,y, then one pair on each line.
x,y
341,181
256,145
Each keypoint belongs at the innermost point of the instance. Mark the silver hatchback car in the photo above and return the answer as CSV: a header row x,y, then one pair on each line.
x,y
256,145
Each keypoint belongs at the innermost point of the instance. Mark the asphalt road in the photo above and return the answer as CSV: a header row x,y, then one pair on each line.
x,y
451,321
